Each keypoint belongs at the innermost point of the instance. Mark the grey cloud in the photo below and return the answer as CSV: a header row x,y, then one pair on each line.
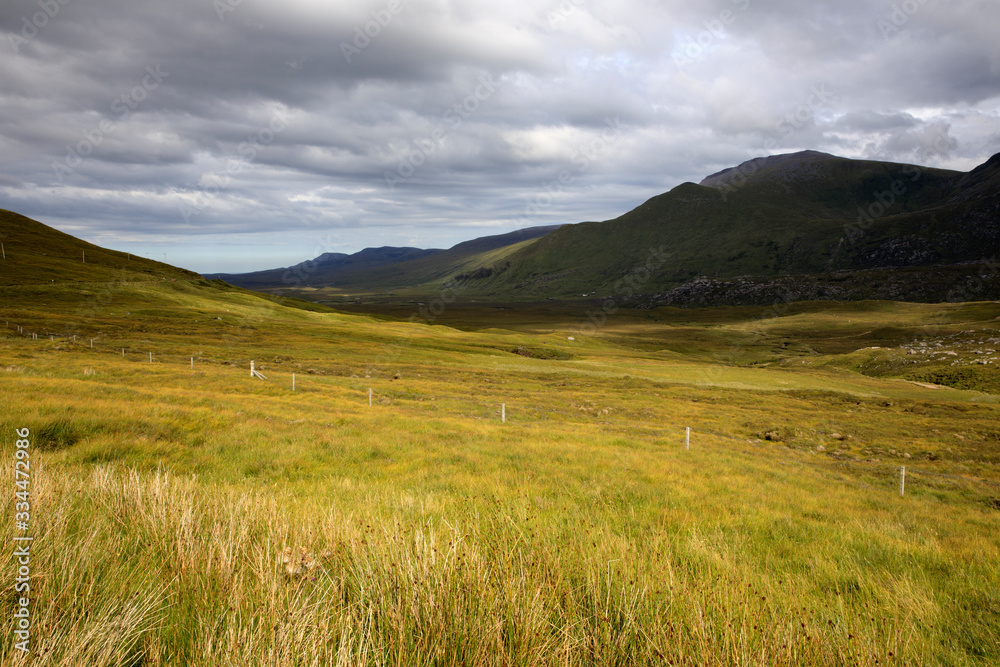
x,y
866,120
929,142
562,70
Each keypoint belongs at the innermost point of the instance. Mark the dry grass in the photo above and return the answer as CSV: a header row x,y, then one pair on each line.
x,y
149,568
201,517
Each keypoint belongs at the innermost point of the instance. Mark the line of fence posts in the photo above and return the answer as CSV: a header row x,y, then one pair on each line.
x,y
503,406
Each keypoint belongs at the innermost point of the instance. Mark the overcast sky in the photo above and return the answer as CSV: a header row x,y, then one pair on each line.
x,y
232,135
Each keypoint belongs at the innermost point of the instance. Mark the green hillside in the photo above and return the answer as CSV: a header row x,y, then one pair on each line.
x,y
790,227
505,487
788,215
389,268
34,253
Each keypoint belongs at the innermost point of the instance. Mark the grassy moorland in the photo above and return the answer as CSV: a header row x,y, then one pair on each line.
x,y
197,515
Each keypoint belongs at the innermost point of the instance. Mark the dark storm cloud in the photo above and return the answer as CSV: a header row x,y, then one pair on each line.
x,y
426,122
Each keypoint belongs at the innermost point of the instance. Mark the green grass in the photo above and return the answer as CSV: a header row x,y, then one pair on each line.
x,y
36,254
200,516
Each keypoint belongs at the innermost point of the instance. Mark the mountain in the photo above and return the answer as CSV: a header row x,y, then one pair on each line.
x,y
34,253
389,267
824,218
327,269
805,225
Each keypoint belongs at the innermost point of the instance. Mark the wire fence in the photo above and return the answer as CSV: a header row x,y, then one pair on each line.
x,y
517,413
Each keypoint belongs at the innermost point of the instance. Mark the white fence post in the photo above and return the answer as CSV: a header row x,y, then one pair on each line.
x,y
902,480
687,437
369,396
503,413
293,381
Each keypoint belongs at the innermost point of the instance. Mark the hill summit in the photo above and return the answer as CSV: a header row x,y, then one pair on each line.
x,y
34,253
806,225
849,229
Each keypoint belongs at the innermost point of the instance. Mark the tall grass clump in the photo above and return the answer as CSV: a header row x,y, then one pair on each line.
x,y
150,568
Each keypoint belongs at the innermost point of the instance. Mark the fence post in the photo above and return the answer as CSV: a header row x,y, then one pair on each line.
x,y
150,357
902,480
192,363
123,353
293,381
369,396
503,413
687,437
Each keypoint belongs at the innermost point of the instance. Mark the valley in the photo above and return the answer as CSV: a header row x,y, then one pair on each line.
x,y
516,492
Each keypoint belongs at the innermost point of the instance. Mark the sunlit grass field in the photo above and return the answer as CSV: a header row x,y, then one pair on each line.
x,y
199,516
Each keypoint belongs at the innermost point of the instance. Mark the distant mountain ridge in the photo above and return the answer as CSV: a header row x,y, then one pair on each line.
x,y
804,225
385,267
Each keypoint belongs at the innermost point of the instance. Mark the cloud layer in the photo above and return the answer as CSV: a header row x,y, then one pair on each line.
x,y
244,134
